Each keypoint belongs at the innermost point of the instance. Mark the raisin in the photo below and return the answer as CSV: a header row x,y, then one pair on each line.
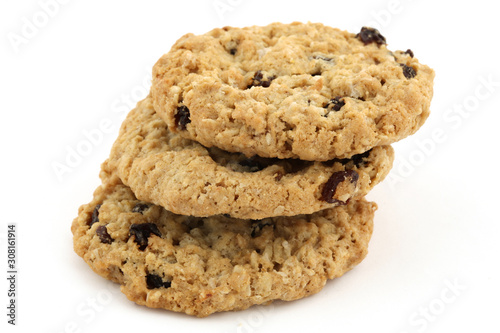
x,y
370,35
408,71
335,104
102,232
328,192
140,208
95,216
409,52
182,117
142,232
154,281
233,51
259,81
258,225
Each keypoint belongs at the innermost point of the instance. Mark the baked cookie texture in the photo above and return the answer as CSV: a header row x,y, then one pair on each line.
x,y
296,90
183,176
204,265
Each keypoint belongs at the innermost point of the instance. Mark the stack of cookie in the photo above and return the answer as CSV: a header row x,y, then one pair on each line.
x,y
241,179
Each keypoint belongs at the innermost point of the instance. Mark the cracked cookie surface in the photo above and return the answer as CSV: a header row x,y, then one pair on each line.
x,y
204,265
189,179
295,90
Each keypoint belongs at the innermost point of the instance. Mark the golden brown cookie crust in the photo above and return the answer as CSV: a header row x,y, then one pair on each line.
x,y
186,178
273,91
204,265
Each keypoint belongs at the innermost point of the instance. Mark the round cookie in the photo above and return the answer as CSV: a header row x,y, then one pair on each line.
x,y
204,265
186,178
296,90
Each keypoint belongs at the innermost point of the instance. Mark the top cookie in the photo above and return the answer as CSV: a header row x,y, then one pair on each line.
x,y
294,90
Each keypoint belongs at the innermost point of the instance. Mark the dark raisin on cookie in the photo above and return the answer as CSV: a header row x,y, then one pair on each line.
x,y
259,81
140,208
409,52
154,281
278,175
182,117
142,232
335,104
233,51
330,187
95,216
370,35
102,232
258,225
409,72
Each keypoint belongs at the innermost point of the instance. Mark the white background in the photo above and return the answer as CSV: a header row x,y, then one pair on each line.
x,y
437,223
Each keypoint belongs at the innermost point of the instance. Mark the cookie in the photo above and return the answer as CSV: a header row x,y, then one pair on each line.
x,y
204,265
188,179
296,90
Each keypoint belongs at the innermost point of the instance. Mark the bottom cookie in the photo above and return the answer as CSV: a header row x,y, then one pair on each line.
x,y
204,265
